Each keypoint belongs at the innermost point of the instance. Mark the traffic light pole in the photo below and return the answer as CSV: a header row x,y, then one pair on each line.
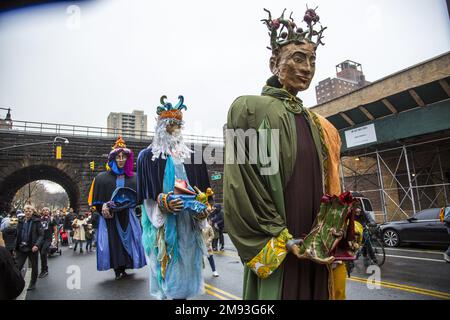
x,y
66,141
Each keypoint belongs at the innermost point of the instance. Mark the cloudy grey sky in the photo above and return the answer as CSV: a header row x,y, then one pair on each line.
x,y
64,65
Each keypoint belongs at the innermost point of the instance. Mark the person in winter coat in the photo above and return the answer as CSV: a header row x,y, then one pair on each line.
x,y
68,221
79,233
30,237
95,218
10,235
208,236
218,224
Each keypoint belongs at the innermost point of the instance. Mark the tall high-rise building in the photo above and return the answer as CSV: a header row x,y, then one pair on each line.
x,y
127,124
349,77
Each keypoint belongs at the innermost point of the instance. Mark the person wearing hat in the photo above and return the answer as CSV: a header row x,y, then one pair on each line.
x,y
20,215
119,244
172,220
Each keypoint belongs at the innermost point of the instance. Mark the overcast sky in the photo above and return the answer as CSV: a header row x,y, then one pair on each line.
x,y
123,55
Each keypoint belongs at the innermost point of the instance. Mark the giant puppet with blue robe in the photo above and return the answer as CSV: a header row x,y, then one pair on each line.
x,y
113,193
169,184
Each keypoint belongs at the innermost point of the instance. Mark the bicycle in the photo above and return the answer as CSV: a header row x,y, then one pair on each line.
x,y
372,248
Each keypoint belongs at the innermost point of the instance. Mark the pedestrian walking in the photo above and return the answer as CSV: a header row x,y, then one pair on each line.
x,y
208,236
68,221
30,238
50,232
95,218
10,235
79,232
218,224
89,232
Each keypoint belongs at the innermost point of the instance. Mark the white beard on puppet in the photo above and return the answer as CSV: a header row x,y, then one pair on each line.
x,y
164,143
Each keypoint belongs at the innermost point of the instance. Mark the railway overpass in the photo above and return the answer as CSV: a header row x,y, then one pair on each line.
x,y
28,153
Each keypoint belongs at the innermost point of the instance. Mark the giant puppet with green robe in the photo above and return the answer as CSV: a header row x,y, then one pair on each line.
x,y
273,198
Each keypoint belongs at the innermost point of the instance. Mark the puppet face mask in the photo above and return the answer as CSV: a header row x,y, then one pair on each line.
x,y
173,129
294,66
121,158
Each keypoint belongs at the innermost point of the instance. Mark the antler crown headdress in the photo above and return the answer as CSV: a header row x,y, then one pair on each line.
x,y
167,111
280,37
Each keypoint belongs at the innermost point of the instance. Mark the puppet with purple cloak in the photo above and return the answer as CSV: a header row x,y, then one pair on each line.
x,y
113,193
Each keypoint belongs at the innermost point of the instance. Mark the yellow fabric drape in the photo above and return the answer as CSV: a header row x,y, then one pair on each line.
x,y
91,193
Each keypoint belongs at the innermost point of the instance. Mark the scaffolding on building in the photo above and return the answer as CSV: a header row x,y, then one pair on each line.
x,y
401,181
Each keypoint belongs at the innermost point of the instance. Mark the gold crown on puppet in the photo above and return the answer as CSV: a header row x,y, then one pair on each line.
x,y
119,146
120,143
167,111
293,34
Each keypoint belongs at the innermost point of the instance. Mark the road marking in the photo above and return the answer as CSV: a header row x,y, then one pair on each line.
x,y
215,294
410,287
229,254
27,278
397,286
419,251
232,296
388,255
437,294
413,258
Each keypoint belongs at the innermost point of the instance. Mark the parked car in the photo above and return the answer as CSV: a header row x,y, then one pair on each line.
x,y
365,202
424,227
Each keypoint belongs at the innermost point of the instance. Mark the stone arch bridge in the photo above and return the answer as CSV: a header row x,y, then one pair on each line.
x,y
30,154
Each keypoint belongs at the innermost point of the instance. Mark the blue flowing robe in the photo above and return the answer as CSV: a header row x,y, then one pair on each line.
x,y
179,235
119,240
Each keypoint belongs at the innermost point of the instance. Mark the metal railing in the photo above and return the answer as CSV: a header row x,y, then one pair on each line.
x,y
41,128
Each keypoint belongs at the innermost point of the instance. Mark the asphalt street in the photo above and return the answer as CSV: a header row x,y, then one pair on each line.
x,y
408,274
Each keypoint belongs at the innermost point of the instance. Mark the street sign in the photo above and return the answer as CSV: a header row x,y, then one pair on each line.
x,y
362,135
217,176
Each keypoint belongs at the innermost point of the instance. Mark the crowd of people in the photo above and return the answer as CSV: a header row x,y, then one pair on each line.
x,y
34,235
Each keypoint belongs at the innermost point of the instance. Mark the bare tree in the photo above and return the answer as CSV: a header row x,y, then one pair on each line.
x,y
36,194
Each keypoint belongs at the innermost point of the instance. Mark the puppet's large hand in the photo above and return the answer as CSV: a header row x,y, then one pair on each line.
x,y
175,205
293,246
106,212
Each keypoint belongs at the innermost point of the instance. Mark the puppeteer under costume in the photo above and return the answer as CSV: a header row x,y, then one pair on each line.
x,y
113,193
263,212
172,240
